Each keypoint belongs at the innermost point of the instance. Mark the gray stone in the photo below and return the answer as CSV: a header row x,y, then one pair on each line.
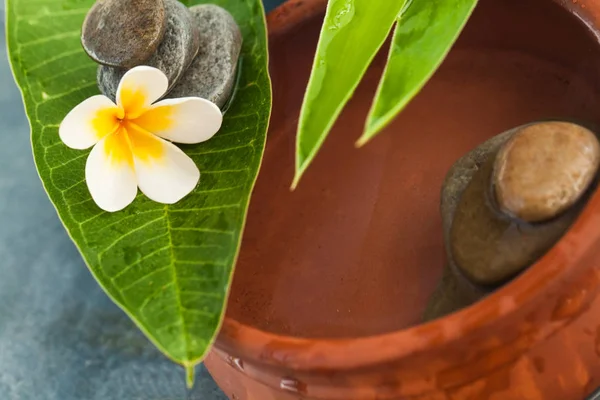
x,y
212,75
174,54
123,33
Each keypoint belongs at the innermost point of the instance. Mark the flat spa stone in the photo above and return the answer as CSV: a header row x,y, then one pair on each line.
x,y
485,246
123,33
460,174
212,75
490,247
173,56
544,169
456,290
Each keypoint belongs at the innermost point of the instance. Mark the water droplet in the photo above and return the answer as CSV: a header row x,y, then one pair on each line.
x,y
342,12
235,362
239,364
292,385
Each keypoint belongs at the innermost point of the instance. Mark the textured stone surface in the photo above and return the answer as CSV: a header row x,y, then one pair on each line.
x,y
461,173
212,75
174,55
544,169
492,247
123,33
455,290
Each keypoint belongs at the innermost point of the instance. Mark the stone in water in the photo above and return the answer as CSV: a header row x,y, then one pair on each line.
x,y
123,33
455,290
212,75
461,173
544,169
490,247
174,55
485,246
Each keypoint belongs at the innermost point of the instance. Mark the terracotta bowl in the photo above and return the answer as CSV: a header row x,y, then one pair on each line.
x,y
333,278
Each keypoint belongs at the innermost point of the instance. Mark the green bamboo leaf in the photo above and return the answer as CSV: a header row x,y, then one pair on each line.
x,y
352,33
425,32
168,267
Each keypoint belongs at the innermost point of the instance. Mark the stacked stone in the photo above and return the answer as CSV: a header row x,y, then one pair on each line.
x,y
506,203
197,48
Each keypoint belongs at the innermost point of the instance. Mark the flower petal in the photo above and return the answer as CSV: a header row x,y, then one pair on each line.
x,y
139,88
164,173
89,122
185,120
109,173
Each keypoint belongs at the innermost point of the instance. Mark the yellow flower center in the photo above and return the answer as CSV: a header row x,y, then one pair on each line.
x,y
129,128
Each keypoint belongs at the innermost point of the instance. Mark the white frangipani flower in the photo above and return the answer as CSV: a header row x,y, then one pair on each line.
x,y
128,138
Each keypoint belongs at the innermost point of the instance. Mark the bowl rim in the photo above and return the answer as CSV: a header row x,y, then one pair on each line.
x,y
310,354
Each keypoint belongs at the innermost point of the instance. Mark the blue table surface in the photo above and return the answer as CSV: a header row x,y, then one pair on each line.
x,y
61,338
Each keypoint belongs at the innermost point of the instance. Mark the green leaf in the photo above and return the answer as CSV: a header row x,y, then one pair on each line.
x,y
168,267
352,33
425,32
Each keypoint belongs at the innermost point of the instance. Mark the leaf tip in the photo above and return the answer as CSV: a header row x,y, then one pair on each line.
x,y
190,372
296,180
373,126
301,166
363,140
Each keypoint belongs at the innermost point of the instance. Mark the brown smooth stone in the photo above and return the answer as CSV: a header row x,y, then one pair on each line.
x,y
455,290
544,169
460,175
490,247
123,33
